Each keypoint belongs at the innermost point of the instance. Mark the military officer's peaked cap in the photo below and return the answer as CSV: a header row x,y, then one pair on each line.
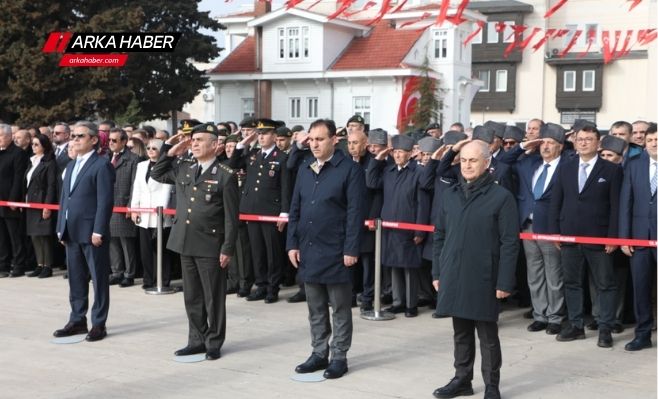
x,y
209,128
297,128
283,131
402,142
249,122
356,118
267,124
432,126
186,125
233,138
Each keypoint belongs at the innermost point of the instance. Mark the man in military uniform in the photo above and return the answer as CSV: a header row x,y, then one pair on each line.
x,y
204,234
283,138
266,191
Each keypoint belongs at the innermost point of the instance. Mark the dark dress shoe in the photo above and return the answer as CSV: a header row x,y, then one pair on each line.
x,y
298,297
537,326
570,333
213,354
72,329
16,273
354,302
36,272
387,299
272,298
605,339
528,314
454,388
491,392
336,369
395,309
366,306
617,328
96,334
435,315
46,272
637,344
257,295
593,325
313,363
114,280
190,350
127,282
243,292
411,312
147,286
553,328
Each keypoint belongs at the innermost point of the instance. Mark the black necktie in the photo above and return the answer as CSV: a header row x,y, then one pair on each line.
x,y
198,172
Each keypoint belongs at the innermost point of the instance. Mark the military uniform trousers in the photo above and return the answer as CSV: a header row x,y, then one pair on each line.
x,y
318,296
464,336
267,254
204,291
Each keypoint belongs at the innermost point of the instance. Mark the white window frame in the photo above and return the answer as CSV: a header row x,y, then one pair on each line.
x,y
295,107
477,39
247,107
508,32
441,40
584,36
312,107
492,32
501,76
571,88
361,106
593,86
572,31
293,43
487,82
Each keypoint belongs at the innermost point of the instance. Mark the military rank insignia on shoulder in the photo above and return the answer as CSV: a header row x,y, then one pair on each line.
x,y
225,168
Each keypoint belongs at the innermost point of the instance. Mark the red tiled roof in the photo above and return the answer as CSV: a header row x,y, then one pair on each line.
x,y
385,47
240,14
240,60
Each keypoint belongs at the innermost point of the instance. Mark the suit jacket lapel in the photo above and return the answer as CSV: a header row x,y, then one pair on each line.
x,y
530,173
594,174
83,170
39,168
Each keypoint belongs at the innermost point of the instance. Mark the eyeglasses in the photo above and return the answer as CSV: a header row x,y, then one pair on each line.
x,y
77,136
114,140
152,148
585,140
509,143
36,144
58,133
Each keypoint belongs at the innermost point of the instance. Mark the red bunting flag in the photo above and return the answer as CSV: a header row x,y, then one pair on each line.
x,y
457,19
386,4
635,3
555,7
443,12
517,31
571,43
540,43
480,25
422,17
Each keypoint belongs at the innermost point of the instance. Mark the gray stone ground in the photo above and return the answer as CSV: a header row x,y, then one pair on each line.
x,y
403,358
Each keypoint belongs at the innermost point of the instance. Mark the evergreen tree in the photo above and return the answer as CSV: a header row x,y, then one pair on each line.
x,y
427,107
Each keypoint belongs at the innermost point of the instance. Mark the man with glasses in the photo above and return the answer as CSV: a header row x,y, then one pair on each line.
x,y
123,249
585,202
83,226
512,136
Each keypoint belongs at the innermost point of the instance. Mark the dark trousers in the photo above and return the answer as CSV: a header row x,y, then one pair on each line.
x,y
267,254
318,296
425,288
43,250
12,244
405,286
84,261
643,270
464,337
368,264
148,246
123,256
243,258
204,291
574,259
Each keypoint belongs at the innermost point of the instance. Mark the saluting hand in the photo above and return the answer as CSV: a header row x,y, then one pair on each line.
x,y
383,154
532,145
175,139
302,139
458,146
293,255
180,147
438,154
349,261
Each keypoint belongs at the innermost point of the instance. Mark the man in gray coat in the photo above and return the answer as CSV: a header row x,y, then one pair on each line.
x,y
475,249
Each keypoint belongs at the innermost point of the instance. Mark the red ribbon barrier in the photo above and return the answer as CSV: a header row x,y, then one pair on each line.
x,y
371,223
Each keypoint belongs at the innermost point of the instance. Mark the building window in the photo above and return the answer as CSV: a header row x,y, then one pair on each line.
x,y
501,80
312,103
293,42
588,80
477,39
569,80
484,77
362,107
441,44
492,34
508,32
295,107
572,31
589,34
247,107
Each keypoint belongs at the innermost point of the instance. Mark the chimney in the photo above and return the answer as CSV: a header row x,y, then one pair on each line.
x,y
262,88
262,7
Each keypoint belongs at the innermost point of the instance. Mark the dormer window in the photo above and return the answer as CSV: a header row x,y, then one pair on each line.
x,y
441,44
293,42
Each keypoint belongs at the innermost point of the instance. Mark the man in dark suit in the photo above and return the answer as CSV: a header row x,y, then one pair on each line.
x,y
585,202
83,226
537,174
266,191
123,248
637,220
13,164
325,226
204,234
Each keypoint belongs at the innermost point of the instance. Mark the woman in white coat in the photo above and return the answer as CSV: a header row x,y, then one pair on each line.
x,y
148,193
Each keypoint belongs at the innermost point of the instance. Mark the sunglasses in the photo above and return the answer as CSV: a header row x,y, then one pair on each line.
x,y
114,140
153,148
35,144
78,136
506,143
58,133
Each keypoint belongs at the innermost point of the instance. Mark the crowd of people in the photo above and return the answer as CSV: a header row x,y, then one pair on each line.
x,y
546,179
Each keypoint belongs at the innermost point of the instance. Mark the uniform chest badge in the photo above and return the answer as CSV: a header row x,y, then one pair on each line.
x,y
271,173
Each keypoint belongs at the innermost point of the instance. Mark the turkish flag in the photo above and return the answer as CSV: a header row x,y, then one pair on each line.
x,y
408,102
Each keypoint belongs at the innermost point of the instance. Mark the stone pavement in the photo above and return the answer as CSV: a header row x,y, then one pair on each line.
x,y
403,358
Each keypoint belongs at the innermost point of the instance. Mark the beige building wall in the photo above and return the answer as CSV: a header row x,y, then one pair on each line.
x,y
629,85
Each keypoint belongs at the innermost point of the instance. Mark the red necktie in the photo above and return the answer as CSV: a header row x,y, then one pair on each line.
x,y
115,159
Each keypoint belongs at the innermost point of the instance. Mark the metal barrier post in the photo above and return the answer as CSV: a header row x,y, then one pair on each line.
x,y
377,314
159,289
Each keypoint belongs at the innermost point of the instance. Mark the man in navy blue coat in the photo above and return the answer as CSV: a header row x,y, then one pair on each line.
x,y
585,202
83,226
324,232
637,219
537,174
